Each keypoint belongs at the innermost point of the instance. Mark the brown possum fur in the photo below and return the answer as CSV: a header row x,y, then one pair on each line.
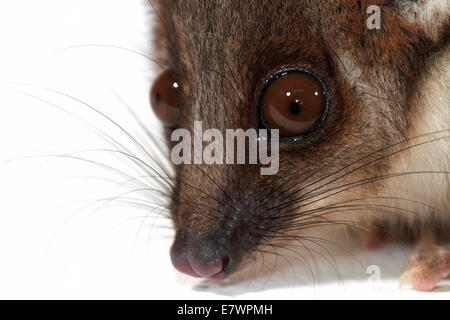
x,y
380,158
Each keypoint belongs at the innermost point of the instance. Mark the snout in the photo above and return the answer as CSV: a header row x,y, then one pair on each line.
x,y
209,257
215,219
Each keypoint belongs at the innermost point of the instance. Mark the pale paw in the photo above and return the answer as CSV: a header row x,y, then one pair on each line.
x,y
426,267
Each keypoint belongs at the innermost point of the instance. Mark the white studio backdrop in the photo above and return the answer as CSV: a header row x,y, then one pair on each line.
x,y
59,236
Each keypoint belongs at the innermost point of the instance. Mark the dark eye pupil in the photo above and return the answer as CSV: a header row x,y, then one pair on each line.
x,y
158,98
295,107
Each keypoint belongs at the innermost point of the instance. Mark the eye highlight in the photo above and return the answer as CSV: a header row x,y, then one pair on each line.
x,y
164,98
293,101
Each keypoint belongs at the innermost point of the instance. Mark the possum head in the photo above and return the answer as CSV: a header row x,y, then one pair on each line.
x,y
229,57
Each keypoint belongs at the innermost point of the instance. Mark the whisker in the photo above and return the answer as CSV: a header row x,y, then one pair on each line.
x,y
354,170
355,162
108,46
137,143
355,184
103,134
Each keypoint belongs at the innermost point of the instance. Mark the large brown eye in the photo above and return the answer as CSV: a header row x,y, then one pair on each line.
x,y
164,99
293,102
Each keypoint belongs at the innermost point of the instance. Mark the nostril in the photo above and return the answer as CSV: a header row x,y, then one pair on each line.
x,y
225,262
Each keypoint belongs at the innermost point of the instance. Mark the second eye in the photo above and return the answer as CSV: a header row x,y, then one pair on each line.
x,y
164,98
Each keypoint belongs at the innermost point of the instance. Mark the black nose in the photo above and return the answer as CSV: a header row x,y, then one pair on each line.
x,y
204,258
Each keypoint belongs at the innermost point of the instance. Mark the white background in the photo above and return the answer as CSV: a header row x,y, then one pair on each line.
x,y
49,247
